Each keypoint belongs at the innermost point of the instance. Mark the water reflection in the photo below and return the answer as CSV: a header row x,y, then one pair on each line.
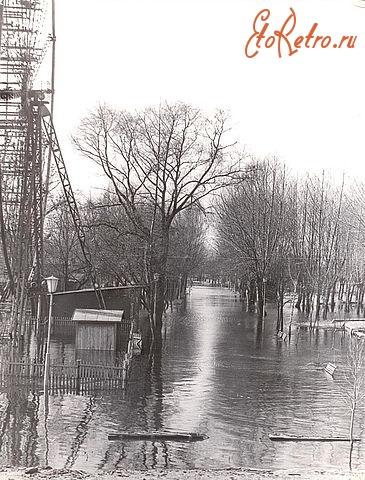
x,y
19,424
222,372
81,432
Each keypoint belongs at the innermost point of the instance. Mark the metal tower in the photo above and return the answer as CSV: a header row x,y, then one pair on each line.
x,y
22,151
28,141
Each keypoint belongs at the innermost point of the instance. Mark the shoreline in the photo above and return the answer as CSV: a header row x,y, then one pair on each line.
x,y
38,473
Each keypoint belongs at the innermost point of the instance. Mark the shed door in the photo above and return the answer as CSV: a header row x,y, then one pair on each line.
x,y
95,337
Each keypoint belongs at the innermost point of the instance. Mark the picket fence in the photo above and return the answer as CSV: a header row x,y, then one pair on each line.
x,y
79,378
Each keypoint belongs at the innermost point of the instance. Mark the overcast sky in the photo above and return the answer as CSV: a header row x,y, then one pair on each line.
x,y
307,108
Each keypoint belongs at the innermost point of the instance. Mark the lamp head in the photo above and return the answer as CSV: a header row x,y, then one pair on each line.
x,y
52,283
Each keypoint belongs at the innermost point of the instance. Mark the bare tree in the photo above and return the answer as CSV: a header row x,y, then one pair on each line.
x,y
355,378
187,247
352,384
159,162
252,221
63,256
317,242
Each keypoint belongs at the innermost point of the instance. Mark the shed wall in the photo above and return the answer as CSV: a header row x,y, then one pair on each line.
x,y
96,336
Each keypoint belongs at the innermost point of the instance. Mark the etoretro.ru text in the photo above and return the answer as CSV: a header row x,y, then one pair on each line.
x,y
285,40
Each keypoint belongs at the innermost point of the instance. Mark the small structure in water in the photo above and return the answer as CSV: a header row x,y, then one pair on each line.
x,y
98,329
330,369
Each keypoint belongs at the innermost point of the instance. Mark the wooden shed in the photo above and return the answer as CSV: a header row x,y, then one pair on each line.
x,y
98,329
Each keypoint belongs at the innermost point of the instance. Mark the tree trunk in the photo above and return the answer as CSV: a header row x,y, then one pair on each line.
x,y
308,302
159,305
159,284
280,308
333,294
348,295
326,303
260,297
360,299
352,420
341,291
304,301
318,305
299,300
251,294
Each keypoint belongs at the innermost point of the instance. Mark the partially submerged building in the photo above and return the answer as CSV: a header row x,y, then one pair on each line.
x,y
98,329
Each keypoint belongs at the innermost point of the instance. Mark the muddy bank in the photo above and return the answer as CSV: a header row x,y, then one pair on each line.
x,y
228,474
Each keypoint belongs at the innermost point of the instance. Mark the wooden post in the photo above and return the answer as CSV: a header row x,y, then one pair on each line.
x,y
156,278
179,294
38,317
78,373
124,373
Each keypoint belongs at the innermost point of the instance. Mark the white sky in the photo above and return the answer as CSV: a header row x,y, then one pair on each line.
x,y
308,109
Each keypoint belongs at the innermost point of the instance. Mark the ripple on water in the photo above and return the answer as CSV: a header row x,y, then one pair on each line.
x,y
223,373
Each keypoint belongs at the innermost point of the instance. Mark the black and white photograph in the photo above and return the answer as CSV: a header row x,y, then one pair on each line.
x,y
182,239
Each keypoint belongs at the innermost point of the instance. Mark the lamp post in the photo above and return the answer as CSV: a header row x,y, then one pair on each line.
x,y
52,283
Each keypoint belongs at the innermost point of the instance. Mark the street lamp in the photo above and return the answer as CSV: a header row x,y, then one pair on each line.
x,y
52,283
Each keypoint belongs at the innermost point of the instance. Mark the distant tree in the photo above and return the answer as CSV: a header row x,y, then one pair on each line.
x,y
119,255
187,245
317,241
252,224
62,254
117,249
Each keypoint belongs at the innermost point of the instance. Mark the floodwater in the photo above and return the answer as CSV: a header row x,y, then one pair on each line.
x,y
222,373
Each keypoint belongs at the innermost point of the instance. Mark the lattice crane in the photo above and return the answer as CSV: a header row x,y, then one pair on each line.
x,y
22,48
27,143
70,197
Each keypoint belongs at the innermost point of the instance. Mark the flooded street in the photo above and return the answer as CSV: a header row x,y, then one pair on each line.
x,y
222,373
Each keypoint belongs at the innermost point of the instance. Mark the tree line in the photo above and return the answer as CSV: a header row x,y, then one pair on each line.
x,y
294,238
162,164
172,172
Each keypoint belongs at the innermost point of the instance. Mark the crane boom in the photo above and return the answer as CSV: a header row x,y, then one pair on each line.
x,y
70,197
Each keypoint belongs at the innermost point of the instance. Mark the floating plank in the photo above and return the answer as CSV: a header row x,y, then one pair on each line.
x,y
294,438
330,368
347,320
174,436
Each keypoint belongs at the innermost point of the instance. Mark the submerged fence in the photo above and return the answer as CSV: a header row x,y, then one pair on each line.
x,y
83,377
79,378
67,323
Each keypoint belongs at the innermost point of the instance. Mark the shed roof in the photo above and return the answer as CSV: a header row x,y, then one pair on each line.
x,y
93,315
103,289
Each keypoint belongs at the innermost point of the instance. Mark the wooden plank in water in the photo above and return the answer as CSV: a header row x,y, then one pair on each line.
x,y
173,436
347,320
294,438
